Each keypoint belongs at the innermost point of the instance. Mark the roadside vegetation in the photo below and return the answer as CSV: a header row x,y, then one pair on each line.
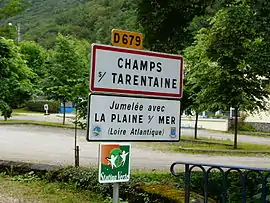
x,y
210,146
33,189
80,184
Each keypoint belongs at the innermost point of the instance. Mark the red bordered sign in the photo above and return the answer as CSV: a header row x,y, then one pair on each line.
x,y
135,72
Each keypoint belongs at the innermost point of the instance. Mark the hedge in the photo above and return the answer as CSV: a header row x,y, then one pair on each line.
x,y
155,187
38,105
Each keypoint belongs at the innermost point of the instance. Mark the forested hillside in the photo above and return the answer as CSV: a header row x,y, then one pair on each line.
x,y
91,20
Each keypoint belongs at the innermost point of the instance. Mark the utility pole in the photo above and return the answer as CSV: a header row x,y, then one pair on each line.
x,y
18,29
19,32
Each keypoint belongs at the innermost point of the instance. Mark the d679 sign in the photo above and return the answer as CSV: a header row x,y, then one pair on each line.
x,y
127,39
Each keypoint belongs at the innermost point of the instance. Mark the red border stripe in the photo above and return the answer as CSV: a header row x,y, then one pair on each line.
x,y
138,52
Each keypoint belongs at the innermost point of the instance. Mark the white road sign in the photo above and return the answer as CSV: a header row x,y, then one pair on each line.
x,y
135,72
119,118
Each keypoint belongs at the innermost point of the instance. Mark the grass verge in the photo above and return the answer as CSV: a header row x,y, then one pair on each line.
x,y
41,191
41,123
211,147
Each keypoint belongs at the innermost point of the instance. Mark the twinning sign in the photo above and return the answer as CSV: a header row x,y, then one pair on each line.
x,y
121,118
136,72
139,81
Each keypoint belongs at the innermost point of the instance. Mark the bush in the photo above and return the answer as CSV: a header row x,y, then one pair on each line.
x,y
247,127
38,105
155,187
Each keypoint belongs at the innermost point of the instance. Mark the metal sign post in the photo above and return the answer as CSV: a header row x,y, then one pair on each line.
x,y
114,165
46,108
116,193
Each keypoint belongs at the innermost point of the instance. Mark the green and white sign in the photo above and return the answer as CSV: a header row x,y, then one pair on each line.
x,y
114,163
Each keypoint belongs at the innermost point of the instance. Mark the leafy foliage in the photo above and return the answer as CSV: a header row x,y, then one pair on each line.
x,y
91,20
15,78
38,105
9,8
67,70
164,22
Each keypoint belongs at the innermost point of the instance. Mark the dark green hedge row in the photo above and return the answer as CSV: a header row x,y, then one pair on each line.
x,y
38,105
157,187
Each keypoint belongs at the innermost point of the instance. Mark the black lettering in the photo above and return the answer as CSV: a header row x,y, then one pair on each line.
x,y
113,117
172,120
127,63
174,83
102,119
135,65
123,106
152,65
113,79
159,68
128,78
143,65
167,83
119,60
143,80
111,107
135,80
150,80
131,39
162,108
140,118
138,41
155,82
161,119
120,79
116,38
125,39
124,119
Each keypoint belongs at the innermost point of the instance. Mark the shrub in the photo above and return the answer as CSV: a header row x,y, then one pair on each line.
x,y
154,187
38,105
247,127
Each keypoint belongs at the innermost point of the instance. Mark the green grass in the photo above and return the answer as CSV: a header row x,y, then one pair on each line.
x,y
41,191
41,123
258,134
211,146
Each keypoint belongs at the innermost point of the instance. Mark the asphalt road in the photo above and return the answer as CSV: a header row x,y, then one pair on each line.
x,y
56,146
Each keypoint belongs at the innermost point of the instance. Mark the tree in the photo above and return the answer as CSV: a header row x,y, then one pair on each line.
x,y
220,62
15,78
35,56
164,22
9,8
67,70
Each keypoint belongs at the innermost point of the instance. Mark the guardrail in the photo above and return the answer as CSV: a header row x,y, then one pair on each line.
x,y
243,172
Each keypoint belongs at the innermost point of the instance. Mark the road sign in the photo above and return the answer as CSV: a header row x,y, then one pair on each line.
x,y
119,118
123,38
136,72
114,163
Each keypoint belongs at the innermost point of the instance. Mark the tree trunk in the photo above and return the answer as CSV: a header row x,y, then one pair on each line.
x,y
196,126
235,128
64,116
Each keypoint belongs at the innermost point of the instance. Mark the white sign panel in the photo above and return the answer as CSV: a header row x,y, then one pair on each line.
x,y
135,72
119,118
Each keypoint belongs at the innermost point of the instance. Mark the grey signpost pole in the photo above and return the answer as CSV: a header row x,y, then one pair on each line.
x,y
115,192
